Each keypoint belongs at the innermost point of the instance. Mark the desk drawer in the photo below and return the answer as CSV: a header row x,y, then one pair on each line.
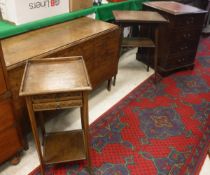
x,y
55,105
183,47
180,60
56,97
56,101
191,35
187,21
6,115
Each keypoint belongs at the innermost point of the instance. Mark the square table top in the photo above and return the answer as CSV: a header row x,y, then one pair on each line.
x,y
174,8
139,17
54,75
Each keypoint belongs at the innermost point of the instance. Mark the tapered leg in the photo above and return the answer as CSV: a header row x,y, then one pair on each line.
x,y
82,118
35,132
41,121
148,58
109,84
85,121
114,81
156,53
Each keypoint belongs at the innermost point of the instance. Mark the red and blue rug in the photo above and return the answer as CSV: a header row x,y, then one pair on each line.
x,y
154,130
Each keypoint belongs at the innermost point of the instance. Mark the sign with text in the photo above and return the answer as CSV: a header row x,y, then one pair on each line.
x,y
23,11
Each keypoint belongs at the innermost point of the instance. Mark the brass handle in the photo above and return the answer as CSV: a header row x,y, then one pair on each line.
x,y
190,21
187,35
184,48
181,60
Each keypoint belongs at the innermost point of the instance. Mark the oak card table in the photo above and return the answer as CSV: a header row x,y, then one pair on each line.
x,y
97,41
148,18
53,84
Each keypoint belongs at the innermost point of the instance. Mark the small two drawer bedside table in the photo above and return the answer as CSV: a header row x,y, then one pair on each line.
x,y
52,84
152,20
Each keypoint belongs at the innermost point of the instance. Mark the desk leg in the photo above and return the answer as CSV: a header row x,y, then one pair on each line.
x,y
114,81
156,53
35,132
42,122
109,84
85,125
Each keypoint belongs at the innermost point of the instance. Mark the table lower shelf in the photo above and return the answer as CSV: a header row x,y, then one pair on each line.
x,y
138,42
64,146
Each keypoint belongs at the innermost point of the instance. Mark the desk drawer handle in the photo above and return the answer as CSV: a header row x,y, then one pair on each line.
x,y
190,21
181,60
184,48
187,36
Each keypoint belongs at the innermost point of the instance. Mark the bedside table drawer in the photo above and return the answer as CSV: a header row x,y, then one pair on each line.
x,y
186,35
56,101
56,97
186,21
183,47
180,60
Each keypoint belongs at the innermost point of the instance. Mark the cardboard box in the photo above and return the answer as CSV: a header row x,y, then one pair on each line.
x,y
0,15
24,11
80,4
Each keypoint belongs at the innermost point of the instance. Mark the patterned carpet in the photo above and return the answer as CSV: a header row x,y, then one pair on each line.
x,y
154,130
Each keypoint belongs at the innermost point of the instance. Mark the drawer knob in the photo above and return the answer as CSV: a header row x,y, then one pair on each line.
x,y
184,48
190,21
181,60
187,35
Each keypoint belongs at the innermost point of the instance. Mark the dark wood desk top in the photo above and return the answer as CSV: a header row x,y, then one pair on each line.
x,y
55,75
139,16
174,8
